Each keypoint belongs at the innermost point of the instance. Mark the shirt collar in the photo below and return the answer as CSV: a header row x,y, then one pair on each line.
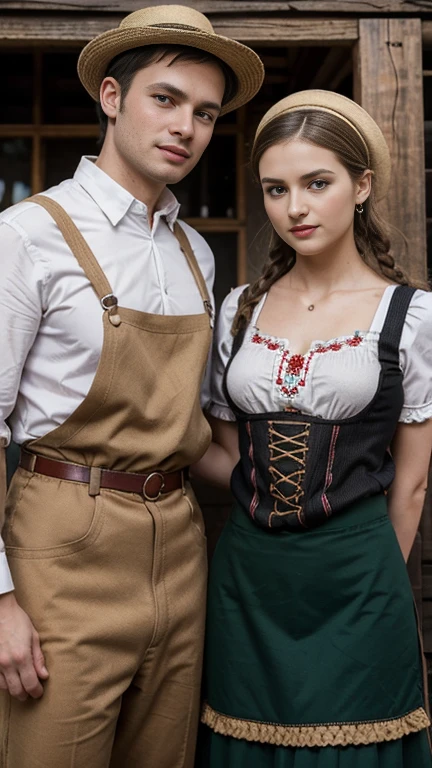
x,y
114,200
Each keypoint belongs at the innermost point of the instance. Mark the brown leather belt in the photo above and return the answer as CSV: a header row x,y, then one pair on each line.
x,y
150,485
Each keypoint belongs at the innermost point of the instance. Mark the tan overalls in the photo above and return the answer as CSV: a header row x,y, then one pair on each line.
x,y
115,583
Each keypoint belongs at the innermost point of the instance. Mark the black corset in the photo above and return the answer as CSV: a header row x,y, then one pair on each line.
x,y
295,471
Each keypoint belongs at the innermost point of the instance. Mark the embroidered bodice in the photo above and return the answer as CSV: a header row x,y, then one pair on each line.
x,y
335,379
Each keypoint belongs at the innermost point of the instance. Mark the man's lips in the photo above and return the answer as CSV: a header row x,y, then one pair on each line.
x,y
173,152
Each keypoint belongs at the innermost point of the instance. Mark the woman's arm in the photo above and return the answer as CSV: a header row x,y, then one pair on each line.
x,y
222,455
411,450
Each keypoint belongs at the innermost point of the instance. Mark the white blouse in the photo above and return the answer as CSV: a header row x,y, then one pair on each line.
x,y
335,379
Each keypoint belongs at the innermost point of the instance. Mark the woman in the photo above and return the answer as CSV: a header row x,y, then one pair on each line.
x,y
323,368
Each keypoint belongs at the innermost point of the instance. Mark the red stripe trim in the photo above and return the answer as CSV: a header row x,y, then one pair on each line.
x,y
255,499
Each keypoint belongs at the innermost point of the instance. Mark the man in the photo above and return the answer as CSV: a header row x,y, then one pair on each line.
x,y
105,306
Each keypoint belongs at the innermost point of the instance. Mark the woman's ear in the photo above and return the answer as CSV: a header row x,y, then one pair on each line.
x,y
364,186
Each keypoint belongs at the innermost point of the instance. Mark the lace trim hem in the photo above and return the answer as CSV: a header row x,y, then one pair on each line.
x,y
413,415
325,735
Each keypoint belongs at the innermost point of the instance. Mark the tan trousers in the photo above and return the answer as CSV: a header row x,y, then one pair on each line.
x,y
116,589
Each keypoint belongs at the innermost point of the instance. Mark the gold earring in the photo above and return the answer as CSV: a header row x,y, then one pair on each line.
x,y
359,208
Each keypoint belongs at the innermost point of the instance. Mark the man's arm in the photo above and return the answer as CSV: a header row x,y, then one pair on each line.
x,y
21,660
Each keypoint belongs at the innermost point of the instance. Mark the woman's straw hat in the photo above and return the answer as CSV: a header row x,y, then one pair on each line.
x,y
350,112
173,25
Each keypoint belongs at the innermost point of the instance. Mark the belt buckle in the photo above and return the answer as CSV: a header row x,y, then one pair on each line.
x,y
162,486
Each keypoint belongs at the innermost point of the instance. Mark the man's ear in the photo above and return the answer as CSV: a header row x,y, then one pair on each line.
x,y
110,97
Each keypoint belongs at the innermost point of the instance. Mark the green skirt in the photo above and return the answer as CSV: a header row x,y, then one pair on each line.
x,y
312,655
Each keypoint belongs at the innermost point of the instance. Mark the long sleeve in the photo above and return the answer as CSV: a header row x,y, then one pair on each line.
x,y
21,281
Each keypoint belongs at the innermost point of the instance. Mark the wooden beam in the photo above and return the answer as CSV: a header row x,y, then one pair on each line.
x,y
57,29
210,7
388,84
427,32
283,30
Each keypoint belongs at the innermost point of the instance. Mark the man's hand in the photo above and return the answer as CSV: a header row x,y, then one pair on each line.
x,y
22,663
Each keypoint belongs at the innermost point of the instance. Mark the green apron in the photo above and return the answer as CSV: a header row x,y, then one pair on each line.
x,y
313,657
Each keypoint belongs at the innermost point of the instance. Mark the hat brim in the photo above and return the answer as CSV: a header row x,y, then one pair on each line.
x,y
335,103
245,63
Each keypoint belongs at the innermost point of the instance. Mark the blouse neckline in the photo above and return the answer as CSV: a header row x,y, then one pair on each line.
x,y
374,328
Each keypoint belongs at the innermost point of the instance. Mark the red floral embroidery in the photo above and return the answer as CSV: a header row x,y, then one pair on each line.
x,y
293,369
295,364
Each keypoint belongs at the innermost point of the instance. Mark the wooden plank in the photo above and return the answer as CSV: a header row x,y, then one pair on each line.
x,y
388,84
283,30
57,29
53,29
427,32
356,7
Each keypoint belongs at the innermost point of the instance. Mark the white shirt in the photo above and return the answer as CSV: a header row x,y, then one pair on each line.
x,y
335,379
50,317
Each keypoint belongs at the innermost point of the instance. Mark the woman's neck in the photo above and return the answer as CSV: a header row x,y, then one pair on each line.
x,y
323,273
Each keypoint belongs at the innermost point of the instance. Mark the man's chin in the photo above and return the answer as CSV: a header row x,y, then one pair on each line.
x,y
172,177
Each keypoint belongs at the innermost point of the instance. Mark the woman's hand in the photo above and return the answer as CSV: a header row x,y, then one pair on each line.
x,y
411,451
222,455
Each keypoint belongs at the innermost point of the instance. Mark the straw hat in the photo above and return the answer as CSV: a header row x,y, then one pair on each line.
x,y
350,112
173,25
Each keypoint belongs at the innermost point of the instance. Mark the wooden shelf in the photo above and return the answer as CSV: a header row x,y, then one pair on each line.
x,y
215,225
52,131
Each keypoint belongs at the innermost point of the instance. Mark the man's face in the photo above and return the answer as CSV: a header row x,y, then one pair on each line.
x,y
166,120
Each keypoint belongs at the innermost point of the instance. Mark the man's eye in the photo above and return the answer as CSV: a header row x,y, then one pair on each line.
x,y
206,116
162,99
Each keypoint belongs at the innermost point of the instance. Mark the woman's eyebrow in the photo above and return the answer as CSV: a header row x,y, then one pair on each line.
x,y
310,175
315,173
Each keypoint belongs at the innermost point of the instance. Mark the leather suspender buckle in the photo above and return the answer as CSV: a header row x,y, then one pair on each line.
x,y
150,489
109,304
108,301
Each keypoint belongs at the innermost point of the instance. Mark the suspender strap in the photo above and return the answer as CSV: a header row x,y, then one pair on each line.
x,y
186,248
390,336
91,267
77,244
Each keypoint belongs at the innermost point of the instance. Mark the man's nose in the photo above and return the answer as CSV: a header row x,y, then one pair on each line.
x,y
183,123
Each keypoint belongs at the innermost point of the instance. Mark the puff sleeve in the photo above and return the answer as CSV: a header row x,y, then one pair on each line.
x,y
416,359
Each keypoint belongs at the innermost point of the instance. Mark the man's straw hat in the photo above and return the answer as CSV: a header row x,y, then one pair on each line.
x,y
173,25
350,112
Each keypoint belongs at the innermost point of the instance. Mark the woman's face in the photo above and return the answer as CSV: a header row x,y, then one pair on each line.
x,y
309,196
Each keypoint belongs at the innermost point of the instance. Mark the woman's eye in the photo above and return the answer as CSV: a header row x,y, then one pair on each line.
x,y
276,191
319,184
